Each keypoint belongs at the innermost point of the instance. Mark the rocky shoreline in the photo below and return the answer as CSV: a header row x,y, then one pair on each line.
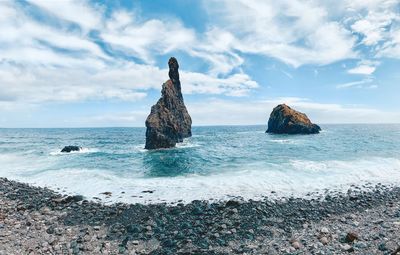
x,y
40,221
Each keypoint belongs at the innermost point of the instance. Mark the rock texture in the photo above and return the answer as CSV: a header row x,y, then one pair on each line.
x,y
169,121
71,148
37,220
285,120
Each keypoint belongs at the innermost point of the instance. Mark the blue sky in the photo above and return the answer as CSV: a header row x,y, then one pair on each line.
x,y
102,63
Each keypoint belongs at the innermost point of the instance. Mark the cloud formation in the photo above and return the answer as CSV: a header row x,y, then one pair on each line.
x,y
295,32
366,83
44,61
364,67
77,51
301,32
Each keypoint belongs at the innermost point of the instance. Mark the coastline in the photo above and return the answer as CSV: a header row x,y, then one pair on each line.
x,y
37,220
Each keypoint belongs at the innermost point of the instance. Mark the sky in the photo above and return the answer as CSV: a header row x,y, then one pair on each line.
x,y
84,63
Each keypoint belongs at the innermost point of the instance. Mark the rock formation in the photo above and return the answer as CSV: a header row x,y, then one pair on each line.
x,y
169,121
285,120
71,148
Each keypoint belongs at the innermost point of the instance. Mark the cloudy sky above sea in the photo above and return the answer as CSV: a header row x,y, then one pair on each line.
x,y
102,63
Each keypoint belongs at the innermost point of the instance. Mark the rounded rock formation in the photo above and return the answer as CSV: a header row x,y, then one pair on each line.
x,y
169,121
285,120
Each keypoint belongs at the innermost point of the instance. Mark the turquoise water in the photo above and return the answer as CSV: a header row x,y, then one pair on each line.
x,y
217,162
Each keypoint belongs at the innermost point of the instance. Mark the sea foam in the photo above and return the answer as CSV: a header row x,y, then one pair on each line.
x,y
81,151
217,163
302,178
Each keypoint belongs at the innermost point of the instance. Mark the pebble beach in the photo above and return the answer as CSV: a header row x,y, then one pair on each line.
x,y
37,220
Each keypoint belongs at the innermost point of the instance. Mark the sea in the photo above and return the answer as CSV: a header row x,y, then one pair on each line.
x,y
216,163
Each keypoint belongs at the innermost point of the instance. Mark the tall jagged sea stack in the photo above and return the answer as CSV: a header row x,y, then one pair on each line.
x,y
169,121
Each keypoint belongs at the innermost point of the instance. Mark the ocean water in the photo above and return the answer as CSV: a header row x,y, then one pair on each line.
x,y
216,163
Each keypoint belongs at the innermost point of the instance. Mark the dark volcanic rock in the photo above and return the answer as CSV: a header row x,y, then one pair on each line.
x,y
71,148
285,120
169,121
351,237
68,199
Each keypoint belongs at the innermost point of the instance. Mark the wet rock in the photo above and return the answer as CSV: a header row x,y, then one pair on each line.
x,y
232,203
58,231
68,199
169,243
382,247
285,120
324,240
351,237
324,230
347,247
50,230
360,245
132,229
121,250
397,251
197,210
379,221
296,245
71,148
169,121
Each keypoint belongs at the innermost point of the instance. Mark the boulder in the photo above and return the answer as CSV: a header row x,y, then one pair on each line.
x,y
68,199
71,148
169,121
285,120
351,237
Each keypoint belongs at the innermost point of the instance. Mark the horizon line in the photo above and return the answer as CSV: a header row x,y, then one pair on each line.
x,y
208,125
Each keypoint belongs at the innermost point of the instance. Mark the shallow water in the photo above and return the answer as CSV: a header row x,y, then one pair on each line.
x,y
217,162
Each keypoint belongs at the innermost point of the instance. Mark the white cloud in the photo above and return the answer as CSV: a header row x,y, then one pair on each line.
x,y
125,81
77,11
144,40
234,85
364,67
378,23
46,84
216,47
295,32
374,26
32,71
362,84
120,119
290,76
372,32
309,32
25,40
391,48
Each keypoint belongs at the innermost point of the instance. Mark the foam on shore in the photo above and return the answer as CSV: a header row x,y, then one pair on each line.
x,y
296,178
